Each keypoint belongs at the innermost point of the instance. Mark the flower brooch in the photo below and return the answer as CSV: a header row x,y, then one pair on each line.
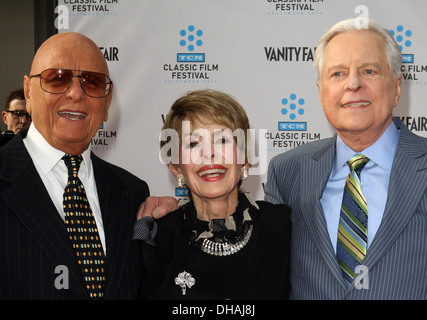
x,y
185,280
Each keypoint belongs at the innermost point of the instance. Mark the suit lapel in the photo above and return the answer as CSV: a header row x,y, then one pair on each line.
x,y
407,186
115,203
29,200
315,172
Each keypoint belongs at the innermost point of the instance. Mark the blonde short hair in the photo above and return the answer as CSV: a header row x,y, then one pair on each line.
x,y
204,107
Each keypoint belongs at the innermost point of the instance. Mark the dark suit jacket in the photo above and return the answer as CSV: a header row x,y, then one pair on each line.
x,y
396,259
34,241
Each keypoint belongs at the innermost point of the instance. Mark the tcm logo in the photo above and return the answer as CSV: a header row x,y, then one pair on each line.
x,y
292,126
403,38
292,107
181,192
190,40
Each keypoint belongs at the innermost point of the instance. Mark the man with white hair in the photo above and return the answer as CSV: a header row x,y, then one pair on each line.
x,y
359,232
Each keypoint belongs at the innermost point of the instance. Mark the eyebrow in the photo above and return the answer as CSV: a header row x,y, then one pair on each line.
x,y
363,65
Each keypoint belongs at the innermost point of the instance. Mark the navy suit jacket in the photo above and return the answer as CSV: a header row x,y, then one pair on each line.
x,y
34,245
396,260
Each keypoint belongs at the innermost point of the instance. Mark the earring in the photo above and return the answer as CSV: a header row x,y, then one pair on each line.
x,y
244,174
181,182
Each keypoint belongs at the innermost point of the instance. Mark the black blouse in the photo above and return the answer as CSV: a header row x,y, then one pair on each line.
x,y
177,268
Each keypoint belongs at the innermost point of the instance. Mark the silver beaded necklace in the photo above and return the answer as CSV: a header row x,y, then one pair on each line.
x,y
208,243
224,247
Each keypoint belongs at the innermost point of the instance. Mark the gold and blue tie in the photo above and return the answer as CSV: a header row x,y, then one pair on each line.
x,y
82,230
353,224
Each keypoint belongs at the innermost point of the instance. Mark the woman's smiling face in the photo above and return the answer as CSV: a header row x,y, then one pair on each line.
x,y
209,162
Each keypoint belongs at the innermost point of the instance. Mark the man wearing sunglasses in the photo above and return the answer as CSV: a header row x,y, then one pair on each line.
x,y
15,115
68,94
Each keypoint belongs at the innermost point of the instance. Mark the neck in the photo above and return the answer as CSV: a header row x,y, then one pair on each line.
x,y
72,149
356,143
69,147
359,141
216,208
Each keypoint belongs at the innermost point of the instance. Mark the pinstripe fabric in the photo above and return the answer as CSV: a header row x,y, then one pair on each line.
x,y
33,239
397,256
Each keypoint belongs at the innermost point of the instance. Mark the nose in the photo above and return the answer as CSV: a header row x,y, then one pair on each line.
x,y
208,151
353,82
75,89
23,119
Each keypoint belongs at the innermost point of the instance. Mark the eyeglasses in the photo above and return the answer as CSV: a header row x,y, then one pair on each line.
x,y
20,114
57,81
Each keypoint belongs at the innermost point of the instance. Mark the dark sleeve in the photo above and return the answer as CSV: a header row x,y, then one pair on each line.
x,y
287,228
276,218
145,229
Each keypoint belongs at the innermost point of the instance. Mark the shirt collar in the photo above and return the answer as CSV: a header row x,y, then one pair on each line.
x,y
46,156
381,152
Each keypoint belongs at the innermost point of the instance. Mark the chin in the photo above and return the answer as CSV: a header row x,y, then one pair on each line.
x,y
216,193
353,124
75,140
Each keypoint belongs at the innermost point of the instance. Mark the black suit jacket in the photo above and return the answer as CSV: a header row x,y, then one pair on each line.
x,y
36,258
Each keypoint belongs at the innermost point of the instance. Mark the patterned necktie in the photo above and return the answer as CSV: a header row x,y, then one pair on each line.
x,y
81,227
353,224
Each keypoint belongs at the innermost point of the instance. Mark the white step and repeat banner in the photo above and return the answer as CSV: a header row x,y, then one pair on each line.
x,y
259,51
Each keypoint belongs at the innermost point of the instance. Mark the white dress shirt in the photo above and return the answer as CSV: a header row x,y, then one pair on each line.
x,y
54,174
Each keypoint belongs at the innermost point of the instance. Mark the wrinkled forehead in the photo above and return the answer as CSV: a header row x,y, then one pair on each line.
x,y
69,51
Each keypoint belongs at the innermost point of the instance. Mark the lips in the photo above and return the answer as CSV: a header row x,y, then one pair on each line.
x,y
71,115
212,173
356,104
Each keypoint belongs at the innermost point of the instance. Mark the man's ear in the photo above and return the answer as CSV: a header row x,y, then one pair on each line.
x,y
4,116
27,81
109,97
319,86
398,90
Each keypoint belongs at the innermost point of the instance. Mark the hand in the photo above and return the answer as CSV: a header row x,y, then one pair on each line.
x,y
157,207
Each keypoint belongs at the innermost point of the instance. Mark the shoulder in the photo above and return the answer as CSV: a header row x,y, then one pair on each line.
x,y
409,142
305,150
289,161
100,164
14,159
172,218
407,135
169,226
276,209
273,226
108,170
275,214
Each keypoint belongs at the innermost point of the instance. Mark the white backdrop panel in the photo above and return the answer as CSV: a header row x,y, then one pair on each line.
x,y
259,51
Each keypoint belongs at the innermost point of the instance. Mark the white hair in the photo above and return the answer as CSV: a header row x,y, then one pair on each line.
x,y
391,48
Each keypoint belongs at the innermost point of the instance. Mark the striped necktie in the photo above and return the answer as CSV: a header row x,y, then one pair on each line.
x,y
353,224
82,230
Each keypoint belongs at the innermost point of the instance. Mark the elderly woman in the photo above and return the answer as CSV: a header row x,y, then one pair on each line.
x,y
220,244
